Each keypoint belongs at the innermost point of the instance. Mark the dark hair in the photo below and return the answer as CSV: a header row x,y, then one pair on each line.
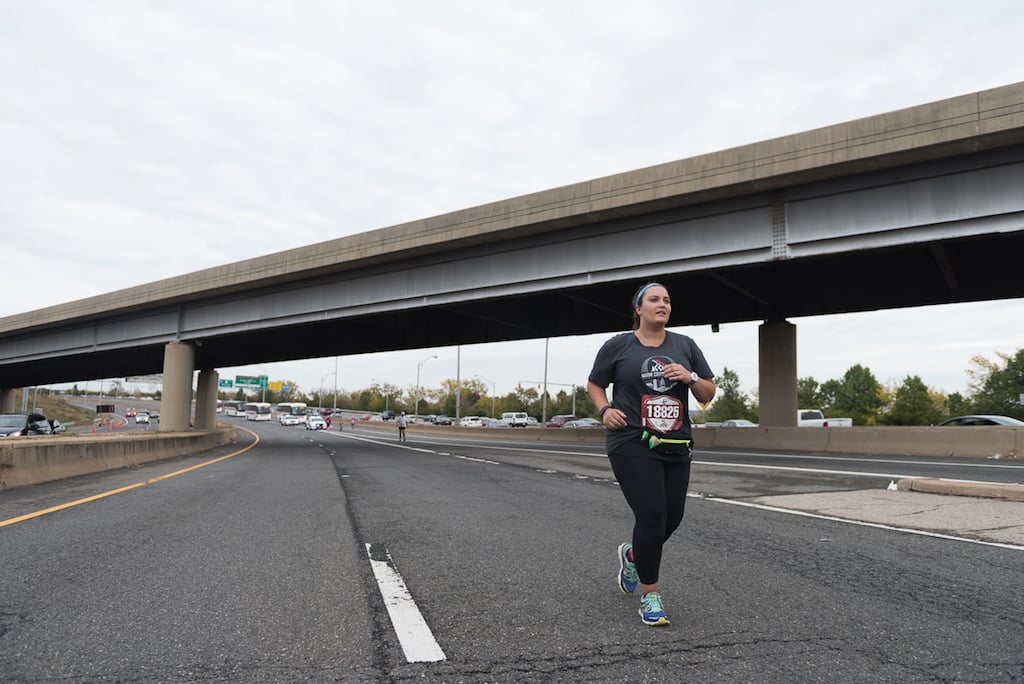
x,y
636,301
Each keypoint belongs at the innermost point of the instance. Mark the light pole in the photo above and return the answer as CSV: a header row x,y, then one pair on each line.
x,y
335,383
419,365
493,395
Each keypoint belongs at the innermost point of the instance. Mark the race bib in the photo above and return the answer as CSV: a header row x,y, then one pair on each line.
x,y
661,412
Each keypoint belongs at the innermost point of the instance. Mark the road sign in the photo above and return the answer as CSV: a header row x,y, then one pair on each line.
x,y
223,382
275,386
251,381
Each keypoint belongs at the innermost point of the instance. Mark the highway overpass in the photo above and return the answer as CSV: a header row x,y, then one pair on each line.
x,y
915,207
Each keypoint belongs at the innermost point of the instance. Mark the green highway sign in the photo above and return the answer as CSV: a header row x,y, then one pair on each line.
x,y
251,381
225,383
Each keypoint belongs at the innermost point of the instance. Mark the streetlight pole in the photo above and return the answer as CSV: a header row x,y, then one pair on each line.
x,y
419,365
335,383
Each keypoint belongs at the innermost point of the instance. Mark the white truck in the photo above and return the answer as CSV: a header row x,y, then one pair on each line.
x,y
815,418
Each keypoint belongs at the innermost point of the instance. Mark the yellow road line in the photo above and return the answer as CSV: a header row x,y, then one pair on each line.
x,y
79,502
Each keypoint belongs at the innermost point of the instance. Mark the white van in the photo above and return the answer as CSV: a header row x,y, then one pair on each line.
x,y
471,421
515,419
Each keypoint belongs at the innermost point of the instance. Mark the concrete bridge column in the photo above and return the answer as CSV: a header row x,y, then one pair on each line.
x,y
777,373
176,401
206,399
7,401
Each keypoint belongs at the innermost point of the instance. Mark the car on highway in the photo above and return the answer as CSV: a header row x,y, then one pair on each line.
x,y
583,423
984,419
24,425
142,417
737,422
57,427
471,421
291,419
315,422
130,412
442,420
560,420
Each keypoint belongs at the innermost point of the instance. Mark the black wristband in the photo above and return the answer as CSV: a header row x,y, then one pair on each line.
x,y
603,409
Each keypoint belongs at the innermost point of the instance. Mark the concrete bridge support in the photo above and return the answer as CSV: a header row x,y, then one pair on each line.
x,y
7,401
206,399
777,373
176,401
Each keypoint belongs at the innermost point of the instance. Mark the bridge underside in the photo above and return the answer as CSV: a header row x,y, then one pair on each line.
x,y
967,269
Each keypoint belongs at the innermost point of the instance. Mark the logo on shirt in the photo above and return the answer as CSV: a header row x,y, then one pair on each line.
x,y
652,373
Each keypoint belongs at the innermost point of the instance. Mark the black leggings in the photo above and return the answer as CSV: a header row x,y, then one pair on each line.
x,y
656,491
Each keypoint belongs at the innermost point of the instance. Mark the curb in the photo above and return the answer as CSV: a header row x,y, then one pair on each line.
x,y
1006,492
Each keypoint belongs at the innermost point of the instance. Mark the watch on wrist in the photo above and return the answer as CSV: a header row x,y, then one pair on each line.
x,y
694,378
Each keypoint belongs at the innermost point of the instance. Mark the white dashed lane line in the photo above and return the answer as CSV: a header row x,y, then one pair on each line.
x,y
418,643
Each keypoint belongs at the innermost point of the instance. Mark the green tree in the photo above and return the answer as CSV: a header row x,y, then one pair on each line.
x,y
998,385
855,396
957,405
730,402
808,393
913,404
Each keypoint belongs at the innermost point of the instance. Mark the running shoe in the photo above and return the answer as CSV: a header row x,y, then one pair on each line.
x,y
627,570
652,612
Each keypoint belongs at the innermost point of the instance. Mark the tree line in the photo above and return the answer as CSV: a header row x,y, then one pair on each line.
x,y
995,387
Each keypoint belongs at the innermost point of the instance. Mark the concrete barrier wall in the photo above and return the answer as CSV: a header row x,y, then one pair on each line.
x,y
975,442
31,460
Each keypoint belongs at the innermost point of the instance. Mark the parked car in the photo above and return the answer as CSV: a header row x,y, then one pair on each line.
x,y
583,423
315,422
442,420
24,425
142,417
983,420
57,427
471,421
737,422
559,421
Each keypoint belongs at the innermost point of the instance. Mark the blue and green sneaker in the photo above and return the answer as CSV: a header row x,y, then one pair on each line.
x,y
627,570
652,612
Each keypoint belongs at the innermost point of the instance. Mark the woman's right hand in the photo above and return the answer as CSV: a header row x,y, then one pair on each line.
x,y
614,419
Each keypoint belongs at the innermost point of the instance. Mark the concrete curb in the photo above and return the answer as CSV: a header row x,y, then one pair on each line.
x,y
1006,492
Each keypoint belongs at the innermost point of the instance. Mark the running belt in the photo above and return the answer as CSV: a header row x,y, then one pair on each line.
x,y
654,440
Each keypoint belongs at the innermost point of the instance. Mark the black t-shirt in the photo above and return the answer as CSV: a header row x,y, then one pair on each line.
x,y
641,391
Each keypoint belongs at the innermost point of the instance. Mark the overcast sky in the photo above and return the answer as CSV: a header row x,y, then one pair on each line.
x,y
144,140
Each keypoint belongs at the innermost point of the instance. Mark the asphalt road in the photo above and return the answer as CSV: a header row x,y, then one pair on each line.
x,y
272,564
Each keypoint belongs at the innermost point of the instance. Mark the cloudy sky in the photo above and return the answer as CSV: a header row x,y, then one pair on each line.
x,y
143,140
